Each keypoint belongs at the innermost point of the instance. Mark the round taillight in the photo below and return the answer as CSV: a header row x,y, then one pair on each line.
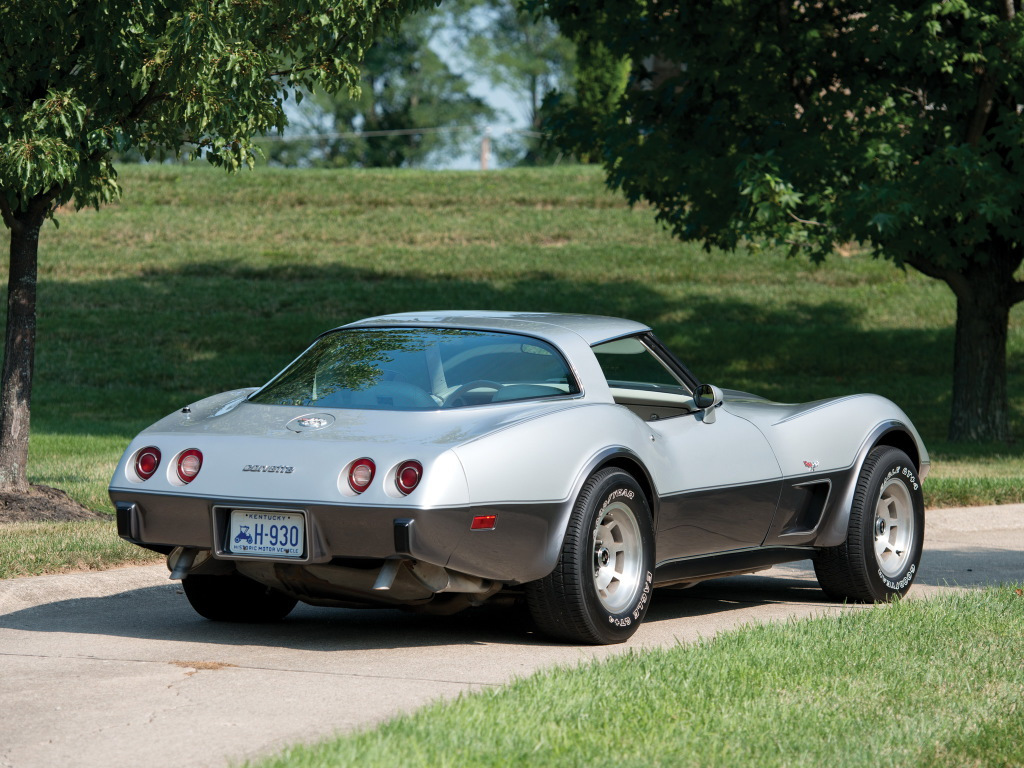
x,y
408,476
189,464
360,475
146,462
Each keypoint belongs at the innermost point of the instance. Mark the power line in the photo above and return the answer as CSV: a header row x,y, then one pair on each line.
x,y
403,132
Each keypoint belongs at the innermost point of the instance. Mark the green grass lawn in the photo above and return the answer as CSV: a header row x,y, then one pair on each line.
x,y
198,282
937,683
30,549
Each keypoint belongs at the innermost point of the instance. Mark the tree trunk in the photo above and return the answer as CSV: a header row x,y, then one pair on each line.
x,y
19,348
980,405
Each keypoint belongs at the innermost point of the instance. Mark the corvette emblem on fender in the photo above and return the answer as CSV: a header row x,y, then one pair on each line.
x,y
811,465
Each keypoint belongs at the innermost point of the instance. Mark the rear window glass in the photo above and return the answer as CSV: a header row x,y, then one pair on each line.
x,y
407,369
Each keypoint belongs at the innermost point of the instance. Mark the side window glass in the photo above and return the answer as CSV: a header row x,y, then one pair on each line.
x,y
629,364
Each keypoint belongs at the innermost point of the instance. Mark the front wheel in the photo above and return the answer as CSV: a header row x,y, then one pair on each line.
x,y
236,598
601,587
882,552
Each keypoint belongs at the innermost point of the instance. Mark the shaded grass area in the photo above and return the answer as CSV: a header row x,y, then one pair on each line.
x,y
937,683
30,549
199,282
974,491
78,464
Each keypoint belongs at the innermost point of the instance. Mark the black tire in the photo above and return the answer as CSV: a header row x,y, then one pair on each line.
x,y
236,598
601,587
882,553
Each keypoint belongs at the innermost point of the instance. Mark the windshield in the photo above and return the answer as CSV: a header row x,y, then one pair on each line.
x,y
409,369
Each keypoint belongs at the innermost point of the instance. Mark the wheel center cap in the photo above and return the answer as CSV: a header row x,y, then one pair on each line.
x,y
603,556
880,527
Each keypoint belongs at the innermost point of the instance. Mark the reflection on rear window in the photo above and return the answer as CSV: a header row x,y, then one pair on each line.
x,y
407,369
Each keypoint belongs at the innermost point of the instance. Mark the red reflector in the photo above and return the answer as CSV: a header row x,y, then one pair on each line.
x,y
408,476
147,461
483,523
361,475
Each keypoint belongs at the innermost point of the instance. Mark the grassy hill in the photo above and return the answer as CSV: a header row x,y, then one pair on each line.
x,y
197,282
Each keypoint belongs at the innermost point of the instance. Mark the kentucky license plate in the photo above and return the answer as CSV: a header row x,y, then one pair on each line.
x,y
266,533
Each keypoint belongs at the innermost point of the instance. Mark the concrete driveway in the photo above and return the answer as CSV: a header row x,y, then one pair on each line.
x,y
114,669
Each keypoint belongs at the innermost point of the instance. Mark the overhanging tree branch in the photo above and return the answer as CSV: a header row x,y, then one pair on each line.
x,y
150,97
1017,292
956,280
987,90
932,181
8,216
73,133
983,109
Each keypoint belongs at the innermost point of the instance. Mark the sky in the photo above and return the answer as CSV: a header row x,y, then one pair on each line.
x,y
511,118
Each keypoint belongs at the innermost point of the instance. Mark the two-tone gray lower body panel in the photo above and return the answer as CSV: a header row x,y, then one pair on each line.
x,y
522,546
741,529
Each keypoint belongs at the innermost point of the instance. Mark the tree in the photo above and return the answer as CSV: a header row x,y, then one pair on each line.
x,y
79,81
897,125
405,86
600,80
516,51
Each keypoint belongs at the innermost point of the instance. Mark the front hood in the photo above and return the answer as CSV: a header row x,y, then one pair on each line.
x,y
764,413
825,434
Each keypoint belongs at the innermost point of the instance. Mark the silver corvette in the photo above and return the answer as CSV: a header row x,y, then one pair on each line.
x,y
436,460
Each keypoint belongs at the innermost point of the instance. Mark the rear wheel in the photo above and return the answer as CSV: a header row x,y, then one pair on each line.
x,y
882,552
236,598
601,587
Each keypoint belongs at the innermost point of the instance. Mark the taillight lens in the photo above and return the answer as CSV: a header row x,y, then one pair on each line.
x,y
189,464
408,476
360,475
146,462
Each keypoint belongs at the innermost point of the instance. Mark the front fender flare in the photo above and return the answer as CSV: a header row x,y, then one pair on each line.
x,y
836,519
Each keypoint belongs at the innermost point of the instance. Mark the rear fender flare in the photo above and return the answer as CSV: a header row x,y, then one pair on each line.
x,y
626,460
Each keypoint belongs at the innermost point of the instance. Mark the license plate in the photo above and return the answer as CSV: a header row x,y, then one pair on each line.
x,y
266,533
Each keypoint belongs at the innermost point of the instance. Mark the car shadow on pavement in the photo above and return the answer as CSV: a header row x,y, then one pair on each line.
x,y
162,613
725,594
970,566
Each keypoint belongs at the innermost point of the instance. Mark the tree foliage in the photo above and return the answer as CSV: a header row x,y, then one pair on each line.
x,y
516,51
575,118
417,82
895,125
412,109
79,81
82,80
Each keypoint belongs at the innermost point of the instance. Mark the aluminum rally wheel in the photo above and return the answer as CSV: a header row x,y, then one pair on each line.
x,y
618,557
894,528
601,587
882,552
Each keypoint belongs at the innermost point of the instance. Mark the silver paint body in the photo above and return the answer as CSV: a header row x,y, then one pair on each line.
x,y
526,459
